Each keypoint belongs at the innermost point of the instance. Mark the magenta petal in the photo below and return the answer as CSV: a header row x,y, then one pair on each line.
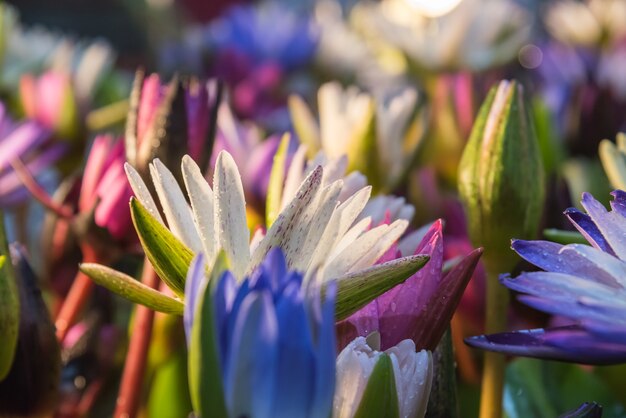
x,y
401,309
93,170
24,138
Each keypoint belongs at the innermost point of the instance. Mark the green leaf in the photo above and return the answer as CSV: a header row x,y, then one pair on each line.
x,y
536,388
131,289
277,177
169,393
169,257
355,290
9,306
205,377
564,237
380,398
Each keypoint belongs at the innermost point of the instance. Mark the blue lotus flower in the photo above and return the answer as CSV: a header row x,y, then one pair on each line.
x,y
584,283
276,351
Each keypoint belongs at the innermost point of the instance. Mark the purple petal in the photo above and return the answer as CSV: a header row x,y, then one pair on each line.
x,y
610,224
566,307
326,355
606,331
571,344
22,139
550,256
588,228
619,202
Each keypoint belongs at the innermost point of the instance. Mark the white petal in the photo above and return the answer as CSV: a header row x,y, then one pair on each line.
x,y
230,214
281,230
349,237
366,249
175,207
201,197
295,176
141,191
325,208
355,364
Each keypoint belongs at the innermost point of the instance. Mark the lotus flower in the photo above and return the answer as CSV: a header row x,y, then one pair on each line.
x,y
274,350
362,384
379,135
315,230
30,142
476,35
105,189
582,282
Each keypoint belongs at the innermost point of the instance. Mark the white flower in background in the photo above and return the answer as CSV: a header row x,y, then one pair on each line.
x,y
372,131
316,230
475,35
413,374
586,23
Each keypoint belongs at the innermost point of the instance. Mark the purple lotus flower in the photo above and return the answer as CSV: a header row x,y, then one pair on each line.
x,y
30,142
419,309
276,352
584,283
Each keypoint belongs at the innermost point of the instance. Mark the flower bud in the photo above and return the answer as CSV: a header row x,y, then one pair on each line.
x,y
501,178
396,382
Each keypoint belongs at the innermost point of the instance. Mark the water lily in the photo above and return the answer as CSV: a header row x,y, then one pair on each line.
x,y
315,229
377,133
476,35
397,381
274,347
584,283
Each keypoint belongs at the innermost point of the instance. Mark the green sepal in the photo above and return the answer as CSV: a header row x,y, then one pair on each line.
x,y
356,290
205,377
9,306
277,178
380,398
167,254
131,289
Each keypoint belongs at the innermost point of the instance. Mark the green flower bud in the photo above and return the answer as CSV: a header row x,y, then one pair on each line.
x,y
501,178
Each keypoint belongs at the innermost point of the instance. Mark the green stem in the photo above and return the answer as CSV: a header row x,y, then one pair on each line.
x,y
495,321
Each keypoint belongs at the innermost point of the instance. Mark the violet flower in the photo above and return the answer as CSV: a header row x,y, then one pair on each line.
x,y
30,142
584,283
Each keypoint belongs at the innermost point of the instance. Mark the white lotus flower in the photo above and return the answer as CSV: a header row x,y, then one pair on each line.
x,y
316,230
413,373
349,117
587,23
475,35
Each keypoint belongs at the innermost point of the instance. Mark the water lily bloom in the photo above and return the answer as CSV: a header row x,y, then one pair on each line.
x,y
105,189
582,282
475,35
31,143
315,229
359,376
275,344
379,134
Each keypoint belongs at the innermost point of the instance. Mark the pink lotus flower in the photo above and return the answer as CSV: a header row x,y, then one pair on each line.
x,y
105,188
50,100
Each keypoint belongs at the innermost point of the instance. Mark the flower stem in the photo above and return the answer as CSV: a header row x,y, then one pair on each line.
x,y
129,395
493,366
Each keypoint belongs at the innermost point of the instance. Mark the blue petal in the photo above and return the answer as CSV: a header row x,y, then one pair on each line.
x,y
250,381
195,283
326,357
223,300
296,370
588,228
